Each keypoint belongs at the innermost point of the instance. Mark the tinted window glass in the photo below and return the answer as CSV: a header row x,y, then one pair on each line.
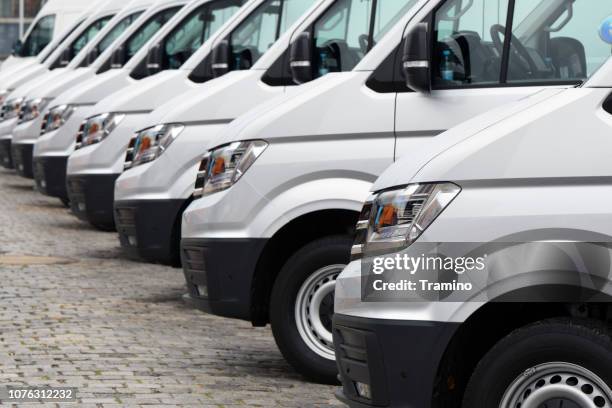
x,y
115,32
254,36
86,36
40,36
147,30
350,28
194,30
558,40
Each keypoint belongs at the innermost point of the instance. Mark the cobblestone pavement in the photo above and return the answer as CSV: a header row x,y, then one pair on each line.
x,y
74,312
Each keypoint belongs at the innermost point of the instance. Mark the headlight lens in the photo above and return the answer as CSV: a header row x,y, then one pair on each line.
x,y
3,94
151,143
97,128
11,108
222,167
32,109
393,220
56,117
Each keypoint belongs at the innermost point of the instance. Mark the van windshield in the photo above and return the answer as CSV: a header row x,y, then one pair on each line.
x,y
549,40
349,29
146,31
194,30
61,41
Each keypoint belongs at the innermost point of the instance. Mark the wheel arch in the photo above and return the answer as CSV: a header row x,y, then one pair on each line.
x,y
288,239
494,321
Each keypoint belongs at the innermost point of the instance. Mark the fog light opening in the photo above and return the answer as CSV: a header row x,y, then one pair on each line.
x,y
363,390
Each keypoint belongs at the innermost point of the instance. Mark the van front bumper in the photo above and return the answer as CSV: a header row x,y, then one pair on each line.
x,y
148,229
398,359
91,198
22,154
6,158
220,274
50,175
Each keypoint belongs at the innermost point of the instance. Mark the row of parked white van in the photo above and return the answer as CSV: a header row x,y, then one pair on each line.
x,y
241,139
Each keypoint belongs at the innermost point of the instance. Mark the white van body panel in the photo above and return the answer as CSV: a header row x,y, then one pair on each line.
x,y
524,172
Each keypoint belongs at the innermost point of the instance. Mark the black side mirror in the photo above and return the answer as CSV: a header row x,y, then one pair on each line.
x,y
65,58
221,59
300,59
118,58
415,61
92,56
154,59
17,47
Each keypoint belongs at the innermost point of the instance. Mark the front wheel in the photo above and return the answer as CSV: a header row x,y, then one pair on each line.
x,y
302,306
550,364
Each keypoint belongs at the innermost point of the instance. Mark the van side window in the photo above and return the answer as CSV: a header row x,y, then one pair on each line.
x,y
145,32
40,36
116,31
349,29
81,41
259,31
61,41
490,42
464,51
557,42
194,30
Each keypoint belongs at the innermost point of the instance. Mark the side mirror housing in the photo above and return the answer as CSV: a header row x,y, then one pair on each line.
x,y
17,47
221,59
416,64
92,56
65,58
154,59
300,59
118,58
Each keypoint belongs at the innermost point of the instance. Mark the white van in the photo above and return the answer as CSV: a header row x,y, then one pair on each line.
x,y
68,55
49,59
85,59
525,189
124,65
284,185
92,170
55,18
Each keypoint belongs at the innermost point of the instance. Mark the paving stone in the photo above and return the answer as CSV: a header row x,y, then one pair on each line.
x,y
75,312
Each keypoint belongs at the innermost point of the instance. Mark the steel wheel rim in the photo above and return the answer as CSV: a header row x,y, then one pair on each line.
x,y
313,292
565,384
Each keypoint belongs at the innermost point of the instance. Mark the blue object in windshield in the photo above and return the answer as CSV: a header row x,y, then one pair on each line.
x,y
605,32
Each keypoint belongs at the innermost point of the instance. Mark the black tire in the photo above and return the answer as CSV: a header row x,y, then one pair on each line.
x,y
581,343
65,202
334,250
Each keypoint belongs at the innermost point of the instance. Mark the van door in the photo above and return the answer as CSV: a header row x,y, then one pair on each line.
x,y
477,63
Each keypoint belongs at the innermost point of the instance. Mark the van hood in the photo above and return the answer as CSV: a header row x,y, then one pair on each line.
x,y
145,94
482,148
263,121
204,102
13,80
94,89
69,78
27,88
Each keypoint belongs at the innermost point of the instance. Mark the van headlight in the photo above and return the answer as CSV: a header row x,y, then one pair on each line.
x,y
222,167
392,220
10,110
97,128
3,94
56,117
32,109
152,142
